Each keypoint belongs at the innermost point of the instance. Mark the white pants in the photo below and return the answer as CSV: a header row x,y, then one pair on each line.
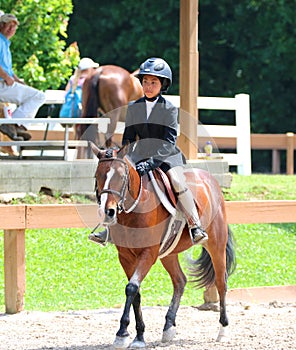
x,y
27,99
184,194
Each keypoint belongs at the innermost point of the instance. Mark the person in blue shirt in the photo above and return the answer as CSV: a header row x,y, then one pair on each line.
x,y
12,89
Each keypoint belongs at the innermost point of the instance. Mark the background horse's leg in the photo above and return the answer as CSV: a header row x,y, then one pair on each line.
x,y
172,265
114,118
88,133
91,134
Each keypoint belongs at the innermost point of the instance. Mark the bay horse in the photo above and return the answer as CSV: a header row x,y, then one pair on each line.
x,y
137,221
107,91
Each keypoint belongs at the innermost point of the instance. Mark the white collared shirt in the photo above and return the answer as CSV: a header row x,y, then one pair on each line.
x,y
149,106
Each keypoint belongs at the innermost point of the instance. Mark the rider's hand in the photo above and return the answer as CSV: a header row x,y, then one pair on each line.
x,y
143,168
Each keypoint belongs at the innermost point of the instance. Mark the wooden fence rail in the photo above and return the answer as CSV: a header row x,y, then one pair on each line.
x,y
15,219
271,142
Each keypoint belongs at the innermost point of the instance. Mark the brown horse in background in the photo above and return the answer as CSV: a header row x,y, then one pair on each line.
x,y
107,91
138,221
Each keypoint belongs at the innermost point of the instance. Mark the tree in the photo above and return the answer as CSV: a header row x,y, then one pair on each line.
x,y
250,46
127,32
39,50
244,47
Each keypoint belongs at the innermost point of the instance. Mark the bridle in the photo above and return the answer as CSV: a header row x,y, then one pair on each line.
x,y
123,191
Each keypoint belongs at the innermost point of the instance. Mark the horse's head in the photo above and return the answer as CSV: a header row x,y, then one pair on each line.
x,y
113,176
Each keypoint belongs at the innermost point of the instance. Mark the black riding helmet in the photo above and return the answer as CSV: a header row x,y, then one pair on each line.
x,y
159,68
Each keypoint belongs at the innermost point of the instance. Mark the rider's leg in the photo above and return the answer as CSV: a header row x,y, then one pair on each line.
x,y
187,205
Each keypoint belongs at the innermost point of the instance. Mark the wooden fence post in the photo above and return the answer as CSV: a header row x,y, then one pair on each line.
x,y
14,270
276,161
290,153
211,295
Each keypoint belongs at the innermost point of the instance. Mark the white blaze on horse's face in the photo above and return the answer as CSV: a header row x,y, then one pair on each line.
x,y
104,196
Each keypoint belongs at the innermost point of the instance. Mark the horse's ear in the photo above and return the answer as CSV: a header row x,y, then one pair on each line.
x,y
97,152
123,151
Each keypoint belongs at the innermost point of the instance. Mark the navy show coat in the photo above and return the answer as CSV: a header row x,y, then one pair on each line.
x,y
153,139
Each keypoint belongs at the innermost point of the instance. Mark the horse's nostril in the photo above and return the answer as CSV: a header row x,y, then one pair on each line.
x,y
110,213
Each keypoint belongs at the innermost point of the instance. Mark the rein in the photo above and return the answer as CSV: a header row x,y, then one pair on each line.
x,y
122,193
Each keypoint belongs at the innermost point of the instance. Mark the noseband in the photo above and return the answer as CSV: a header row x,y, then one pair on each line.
x,y
122,193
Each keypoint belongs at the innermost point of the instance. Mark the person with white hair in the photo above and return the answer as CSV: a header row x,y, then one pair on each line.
x,y
12,89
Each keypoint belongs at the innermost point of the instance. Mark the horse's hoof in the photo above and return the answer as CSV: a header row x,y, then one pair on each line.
x,y
137,344
223,335
121,342
168,335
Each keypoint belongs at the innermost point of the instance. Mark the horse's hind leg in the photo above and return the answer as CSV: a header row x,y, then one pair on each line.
x,y
172,265
222,288
219,257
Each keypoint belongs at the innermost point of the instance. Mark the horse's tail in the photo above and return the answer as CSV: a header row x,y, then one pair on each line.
x,y
202,269
93,101
90,97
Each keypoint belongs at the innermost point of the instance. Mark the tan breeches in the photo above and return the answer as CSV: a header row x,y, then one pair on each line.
x,y
185,197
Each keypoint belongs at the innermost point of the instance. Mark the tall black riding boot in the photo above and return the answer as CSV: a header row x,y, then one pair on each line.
x,y
198,235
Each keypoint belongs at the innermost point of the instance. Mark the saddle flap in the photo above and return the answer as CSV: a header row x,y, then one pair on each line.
x,y
169,193
168,187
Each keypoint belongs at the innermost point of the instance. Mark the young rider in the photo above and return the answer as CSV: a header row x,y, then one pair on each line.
x,y
151,131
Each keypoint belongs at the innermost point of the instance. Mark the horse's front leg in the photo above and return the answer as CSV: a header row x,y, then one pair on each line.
x,y
139,341
143,265
122,336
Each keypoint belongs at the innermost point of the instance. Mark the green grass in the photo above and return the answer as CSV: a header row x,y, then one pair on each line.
x,y
265,255
64,271
261,187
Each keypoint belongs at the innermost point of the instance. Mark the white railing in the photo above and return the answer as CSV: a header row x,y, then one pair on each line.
x,y
241,130
240,104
